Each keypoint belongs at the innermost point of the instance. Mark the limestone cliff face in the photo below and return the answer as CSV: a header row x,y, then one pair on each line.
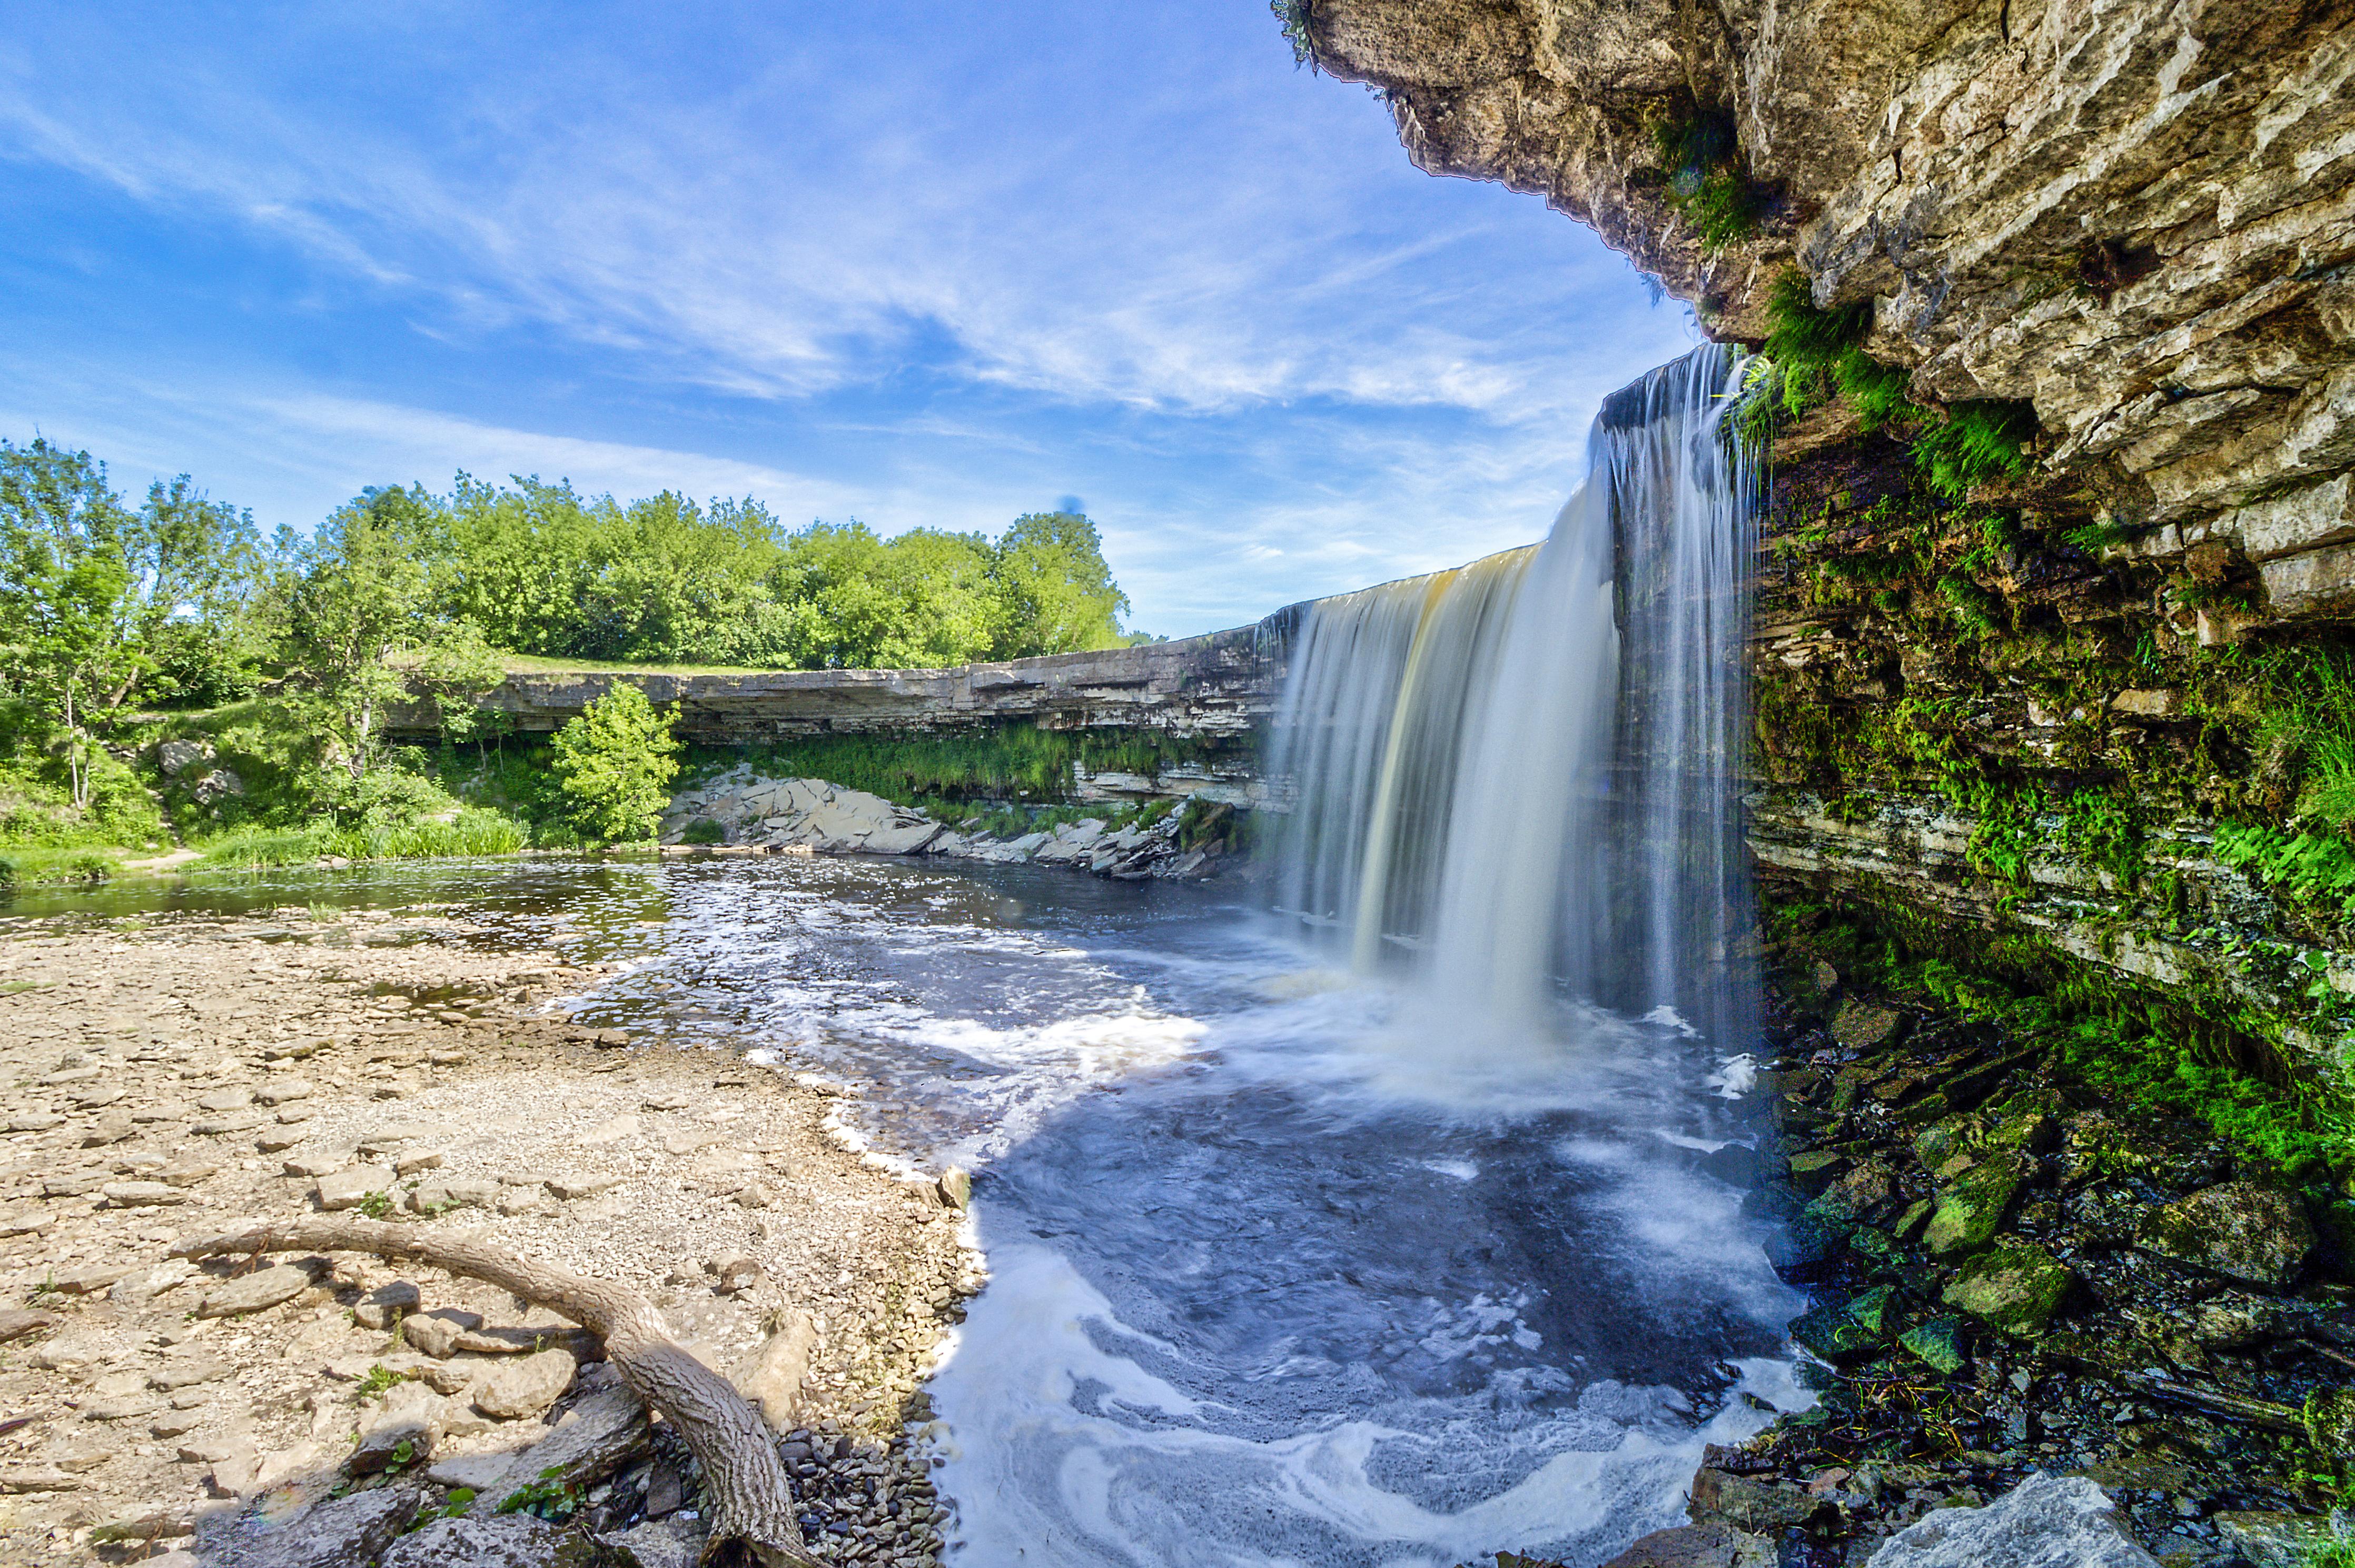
x,y
2138,214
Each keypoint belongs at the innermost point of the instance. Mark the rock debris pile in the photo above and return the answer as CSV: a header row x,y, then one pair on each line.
x,y
751,811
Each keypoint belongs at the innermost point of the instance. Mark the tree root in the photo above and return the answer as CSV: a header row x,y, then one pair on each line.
x,y
752,1503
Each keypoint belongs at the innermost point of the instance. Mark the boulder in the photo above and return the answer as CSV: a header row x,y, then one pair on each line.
x,y
2046,1521
350,1187
436,1332
175,757
2238,1229
670,1542
1972,1206
2275,1539
2015,1287
903,841
254,1292
1711,1545
400,1431
526,1385
336,1533
387,1305
505,1541
597,1435
1860,1025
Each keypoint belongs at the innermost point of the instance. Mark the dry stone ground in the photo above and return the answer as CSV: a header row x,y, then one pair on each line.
x,y
196,1074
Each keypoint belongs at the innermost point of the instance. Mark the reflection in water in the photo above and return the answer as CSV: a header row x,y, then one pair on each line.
x,y
1282,1273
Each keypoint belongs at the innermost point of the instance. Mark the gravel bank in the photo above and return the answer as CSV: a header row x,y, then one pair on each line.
x,y
195,1073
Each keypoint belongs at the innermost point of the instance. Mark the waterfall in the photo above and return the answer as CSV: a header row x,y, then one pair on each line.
x,y
1515,780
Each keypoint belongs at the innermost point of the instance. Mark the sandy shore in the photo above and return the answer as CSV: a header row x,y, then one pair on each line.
x,y
194,1073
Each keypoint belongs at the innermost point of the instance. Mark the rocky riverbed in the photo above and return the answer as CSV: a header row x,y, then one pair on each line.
x,y
190,1075
2044,1320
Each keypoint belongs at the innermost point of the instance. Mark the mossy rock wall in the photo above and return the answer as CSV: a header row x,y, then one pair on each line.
x,y
2041,751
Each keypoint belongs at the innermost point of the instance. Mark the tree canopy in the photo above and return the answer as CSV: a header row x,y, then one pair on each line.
x,y
402,592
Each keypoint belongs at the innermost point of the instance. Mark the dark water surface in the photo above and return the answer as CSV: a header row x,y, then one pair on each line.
x,y
1286,1269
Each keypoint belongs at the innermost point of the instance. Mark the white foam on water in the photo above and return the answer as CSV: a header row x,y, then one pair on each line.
x,y
1735,1076
1063,1452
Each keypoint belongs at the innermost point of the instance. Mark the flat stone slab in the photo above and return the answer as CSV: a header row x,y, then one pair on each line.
x,y
254,1292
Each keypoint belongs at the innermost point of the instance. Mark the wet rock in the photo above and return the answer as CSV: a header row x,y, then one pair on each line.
x,y
2273,1539
255,1292
523,1386
2331,1421
1857,1194
1697,1546
1812,1172
2238,1229
2015,1287
506,1541
1761,1508
1938,1343
2046,1521
1970,1209
1861,1025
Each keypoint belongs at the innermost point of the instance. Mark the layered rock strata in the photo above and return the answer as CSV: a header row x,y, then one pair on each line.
x,y
1212,687
2139,216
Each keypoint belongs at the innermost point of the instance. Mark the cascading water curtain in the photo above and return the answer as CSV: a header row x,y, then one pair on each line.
x,y
1519,776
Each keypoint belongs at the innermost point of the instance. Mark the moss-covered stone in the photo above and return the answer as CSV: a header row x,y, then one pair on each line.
x,y
2015,1287
1813,1171
2331,1421
1857,1194
1876,1309
2027,1122
1832,1334
1972,1208
1938,1342
1862,1025
2240,1229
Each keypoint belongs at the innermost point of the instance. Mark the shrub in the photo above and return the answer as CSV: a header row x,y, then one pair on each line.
x,y
616,761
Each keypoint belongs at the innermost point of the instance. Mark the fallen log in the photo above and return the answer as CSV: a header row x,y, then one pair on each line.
x,y
750,1510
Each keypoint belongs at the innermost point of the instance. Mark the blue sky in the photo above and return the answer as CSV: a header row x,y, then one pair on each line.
x,y
917,264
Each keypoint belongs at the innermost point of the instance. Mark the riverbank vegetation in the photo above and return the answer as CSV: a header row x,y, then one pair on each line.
x,y
169,676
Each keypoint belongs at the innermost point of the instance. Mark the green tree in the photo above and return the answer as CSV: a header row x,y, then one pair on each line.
x,y
1059,592
360,594
65,586
196,567
614,763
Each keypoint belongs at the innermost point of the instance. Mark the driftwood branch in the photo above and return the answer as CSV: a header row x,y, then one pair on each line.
x,y
752,1503
2264,1411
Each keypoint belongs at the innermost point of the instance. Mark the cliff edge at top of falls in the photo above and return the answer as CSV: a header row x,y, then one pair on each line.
x,y
2138,214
